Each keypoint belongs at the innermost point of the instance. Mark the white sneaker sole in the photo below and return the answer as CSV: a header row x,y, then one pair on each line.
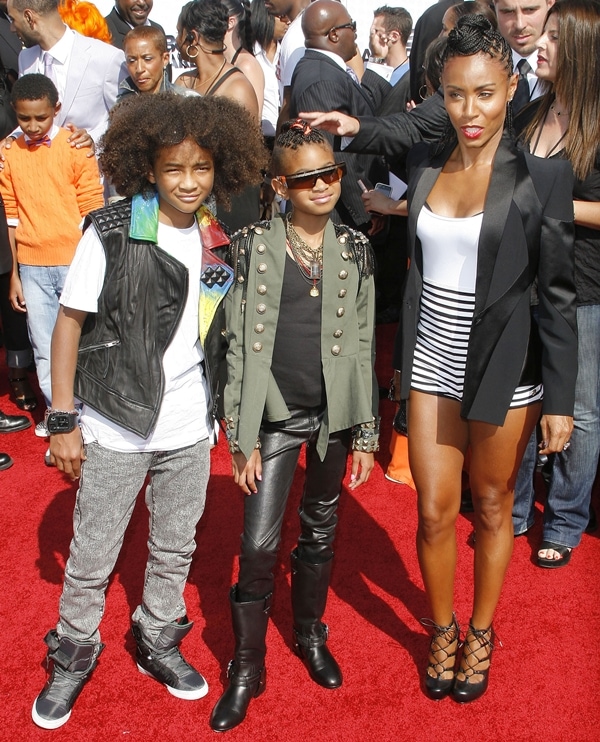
x,y
48,723
186,695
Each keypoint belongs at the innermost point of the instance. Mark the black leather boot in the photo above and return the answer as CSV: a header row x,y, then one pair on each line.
x,y
72,664
310,583
246,672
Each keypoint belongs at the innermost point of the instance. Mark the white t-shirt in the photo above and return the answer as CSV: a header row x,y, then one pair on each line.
x,y
291,52
183,416
270,111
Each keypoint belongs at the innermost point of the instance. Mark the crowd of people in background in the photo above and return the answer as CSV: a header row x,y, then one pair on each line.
x,y
208,225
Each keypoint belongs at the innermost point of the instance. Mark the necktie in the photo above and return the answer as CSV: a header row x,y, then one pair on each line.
x,y
353,75
48,66
522,93
32,144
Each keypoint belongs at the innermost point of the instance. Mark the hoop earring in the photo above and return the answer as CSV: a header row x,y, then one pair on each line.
x,y
187,51
423,92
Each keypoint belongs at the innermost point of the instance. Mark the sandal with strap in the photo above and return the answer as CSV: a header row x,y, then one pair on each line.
x,y
22,393
564,555
439,675
475,663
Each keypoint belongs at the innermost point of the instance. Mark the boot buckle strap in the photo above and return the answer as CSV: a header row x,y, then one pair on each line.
x,y
244,681
312,641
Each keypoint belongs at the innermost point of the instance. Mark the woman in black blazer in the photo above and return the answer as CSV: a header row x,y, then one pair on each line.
x,y
486,222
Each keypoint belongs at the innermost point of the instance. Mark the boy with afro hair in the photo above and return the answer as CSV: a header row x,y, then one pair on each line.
x,y
139,341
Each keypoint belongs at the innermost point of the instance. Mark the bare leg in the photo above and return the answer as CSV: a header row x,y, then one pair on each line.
x,y
496,457
436,444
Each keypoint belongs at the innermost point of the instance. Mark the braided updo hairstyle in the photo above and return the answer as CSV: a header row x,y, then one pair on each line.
x,y
295,134
474,34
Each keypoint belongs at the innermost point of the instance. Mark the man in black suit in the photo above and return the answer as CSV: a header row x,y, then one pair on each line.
x,y
321,80
10,44
126,15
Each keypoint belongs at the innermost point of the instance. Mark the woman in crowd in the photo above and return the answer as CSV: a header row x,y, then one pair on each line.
x,y
201,30
268,30
239,45
485,221
565,124
147,59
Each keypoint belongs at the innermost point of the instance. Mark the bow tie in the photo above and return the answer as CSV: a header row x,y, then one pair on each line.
x,y
32,144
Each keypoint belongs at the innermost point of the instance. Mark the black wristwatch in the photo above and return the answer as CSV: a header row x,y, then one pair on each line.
x,y
59,421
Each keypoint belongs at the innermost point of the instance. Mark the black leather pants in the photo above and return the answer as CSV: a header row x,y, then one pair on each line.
x,y
264,511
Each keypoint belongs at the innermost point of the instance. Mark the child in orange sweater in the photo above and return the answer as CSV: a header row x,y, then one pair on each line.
x,y
47,186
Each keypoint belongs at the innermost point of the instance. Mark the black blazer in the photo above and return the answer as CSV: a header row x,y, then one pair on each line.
x,y
120,28
319,84
394,134
526,234
10,46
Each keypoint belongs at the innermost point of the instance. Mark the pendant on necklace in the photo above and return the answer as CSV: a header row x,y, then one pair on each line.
x,y
315,275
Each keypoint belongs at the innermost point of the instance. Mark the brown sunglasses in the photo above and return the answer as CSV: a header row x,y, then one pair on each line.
x,y
329,174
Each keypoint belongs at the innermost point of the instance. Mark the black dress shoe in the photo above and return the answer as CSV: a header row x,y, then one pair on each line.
x,y
5,461
13,423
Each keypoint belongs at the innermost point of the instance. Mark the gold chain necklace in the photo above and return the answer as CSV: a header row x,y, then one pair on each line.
x,y
211,79
309,260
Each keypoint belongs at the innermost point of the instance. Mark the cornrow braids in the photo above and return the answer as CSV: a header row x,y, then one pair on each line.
x,y
294,134
474,34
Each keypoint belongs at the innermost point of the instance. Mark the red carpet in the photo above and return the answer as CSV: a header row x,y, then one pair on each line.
x,y
544,683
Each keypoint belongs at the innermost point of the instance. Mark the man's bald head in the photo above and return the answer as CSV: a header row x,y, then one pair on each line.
x,y
326,25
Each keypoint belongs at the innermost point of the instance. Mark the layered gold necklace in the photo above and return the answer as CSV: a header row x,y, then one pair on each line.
x,y
309,260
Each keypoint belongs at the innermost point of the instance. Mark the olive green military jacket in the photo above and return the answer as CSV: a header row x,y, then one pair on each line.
x,y
347,333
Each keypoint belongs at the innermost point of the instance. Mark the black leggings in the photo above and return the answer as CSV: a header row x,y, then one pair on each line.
x,y
264,511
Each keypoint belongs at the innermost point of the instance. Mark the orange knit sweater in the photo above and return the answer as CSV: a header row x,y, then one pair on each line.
x,y
49,190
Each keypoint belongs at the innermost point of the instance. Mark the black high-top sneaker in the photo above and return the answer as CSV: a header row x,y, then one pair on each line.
x,y
163,661
73,663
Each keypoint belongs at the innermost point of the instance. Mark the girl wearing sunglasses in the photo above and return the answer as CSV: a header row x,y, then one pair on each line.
x,y
300,322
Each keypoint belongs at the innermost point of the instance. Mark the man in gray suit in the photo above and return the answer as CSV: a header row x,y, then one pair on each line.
x,y
87,72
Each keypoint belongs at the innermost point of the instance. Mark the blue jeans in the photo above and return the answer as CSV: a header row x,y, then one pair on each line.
x,y
108,489
566,512
524,503
42,287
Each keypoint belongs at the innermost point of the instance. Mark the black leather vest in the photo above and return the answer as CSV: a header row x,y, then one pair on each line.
x,y
119,367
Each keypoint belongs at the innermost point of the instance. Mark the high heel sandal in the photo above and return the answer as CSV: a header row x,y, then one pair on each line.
x,y
442,657
22,393
475,662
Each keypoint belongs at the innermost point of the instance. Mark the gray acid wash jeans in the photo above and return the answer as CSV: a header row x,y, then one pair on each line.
x,y
108,488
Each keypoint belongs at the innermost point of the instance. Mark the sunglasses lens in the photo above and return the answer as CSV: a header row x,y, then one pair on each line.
x,y
331,175
306,181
